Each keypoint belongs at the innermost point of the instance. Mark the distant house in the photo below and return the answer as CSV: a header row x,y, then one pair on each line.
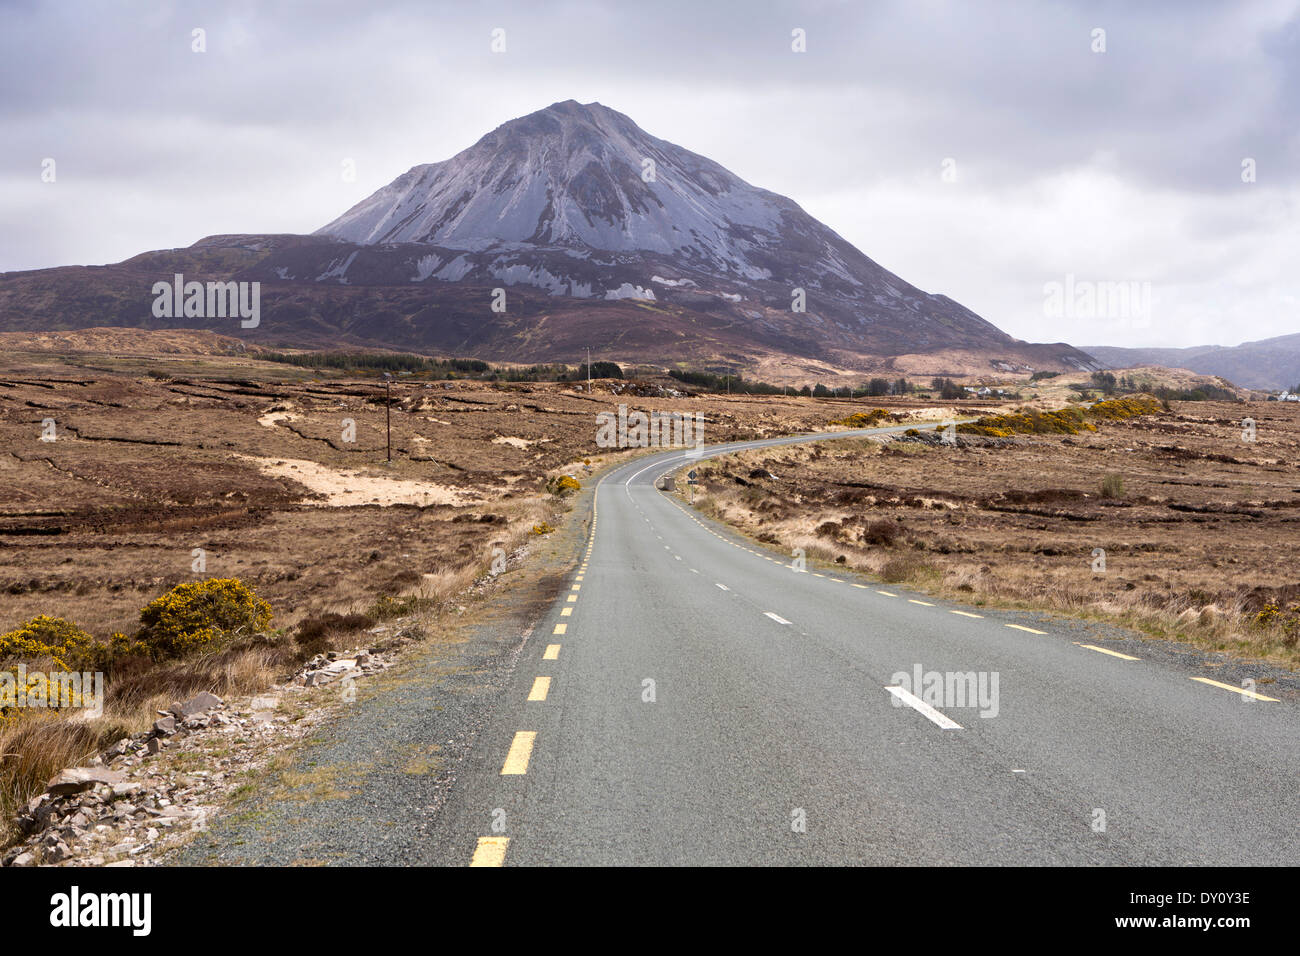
x,y
1289,396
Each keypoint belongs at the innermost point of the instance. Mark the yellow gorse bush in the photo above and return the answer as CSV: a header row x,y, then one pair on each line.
x,y
563,486
863,419
48,637
1065,421
200,614
44,638
1129,407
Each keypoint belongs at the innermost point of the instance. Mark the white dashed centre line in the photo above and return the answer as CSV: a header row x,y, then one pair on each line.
x,y
776,617
921,707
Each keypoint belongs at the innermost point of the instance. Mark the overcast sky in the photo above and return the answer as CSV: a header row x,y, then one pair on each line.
x,y
1117,166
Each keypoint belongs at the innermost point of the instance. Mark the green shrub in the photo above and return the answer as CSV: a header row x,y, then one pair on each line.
x,y
201,615
387,607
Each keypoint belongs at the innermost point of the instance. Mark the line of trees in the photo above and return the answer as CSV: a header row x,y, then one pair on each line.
x,y
442,368
947,389
379,362
709,382
1108,384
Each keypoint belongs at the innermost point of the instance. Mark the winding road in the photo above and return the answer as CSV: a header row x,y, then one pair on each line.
x,y
694,699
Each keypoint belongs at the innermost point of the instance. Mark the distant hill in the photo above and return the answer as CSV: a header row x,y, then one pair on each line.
x,y
1268,364
119,341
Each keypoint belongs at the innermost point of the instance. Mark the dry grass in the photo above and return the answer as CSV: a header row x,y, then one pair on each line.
x,y
38,747
35,748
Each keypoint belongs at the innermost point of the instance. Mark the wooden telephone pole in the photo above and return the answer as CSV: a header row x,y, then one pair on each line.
x,y
388,411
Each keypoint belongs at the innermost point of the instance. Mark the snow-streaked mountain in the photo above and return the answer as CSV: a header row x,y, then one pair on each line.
x,y
602,237
587,176
580,201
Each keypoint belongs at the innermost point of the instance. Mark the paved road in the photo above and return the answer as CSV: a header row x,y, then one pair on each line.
x,y
772,736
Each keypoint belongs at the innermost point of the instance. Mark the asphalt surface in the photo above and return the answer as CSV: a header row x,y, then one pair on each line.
x,y
768,734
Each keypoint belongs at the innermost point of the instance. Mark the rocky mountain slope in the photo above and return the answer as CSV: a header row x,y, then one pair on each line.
x,y
602,235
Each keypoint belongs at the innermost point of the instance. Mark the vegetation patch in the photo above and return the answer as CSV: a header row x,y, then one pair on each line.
x,y
563,486
200,615
1065,421
863,419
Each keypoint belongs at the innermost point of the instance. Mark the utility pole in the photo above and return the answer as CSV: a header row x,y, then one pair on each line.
x,y
588,371
388,411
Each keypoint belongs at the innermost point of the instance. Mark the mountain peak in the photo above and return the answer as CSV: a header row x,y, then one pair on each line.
x,y
578,200
569,174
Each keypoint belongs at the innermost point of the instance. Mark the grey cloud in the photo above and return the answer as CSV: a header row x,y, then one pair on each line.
x,y
249,135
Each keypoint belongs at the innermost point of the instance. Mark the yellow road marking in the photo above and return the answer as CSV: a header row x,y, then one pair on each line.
x,y
1021,627
1236,690
887,594
1102,650
541,687
571,598
965,613
578,578
915,601
560,628
552,652
566,612
576,587
816,575
521,748
491,851
859,586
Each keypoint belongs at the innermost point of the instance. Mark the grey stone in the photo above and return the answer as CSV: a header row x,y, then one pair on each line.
x,y
197,705
118,749
166,726
78,779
